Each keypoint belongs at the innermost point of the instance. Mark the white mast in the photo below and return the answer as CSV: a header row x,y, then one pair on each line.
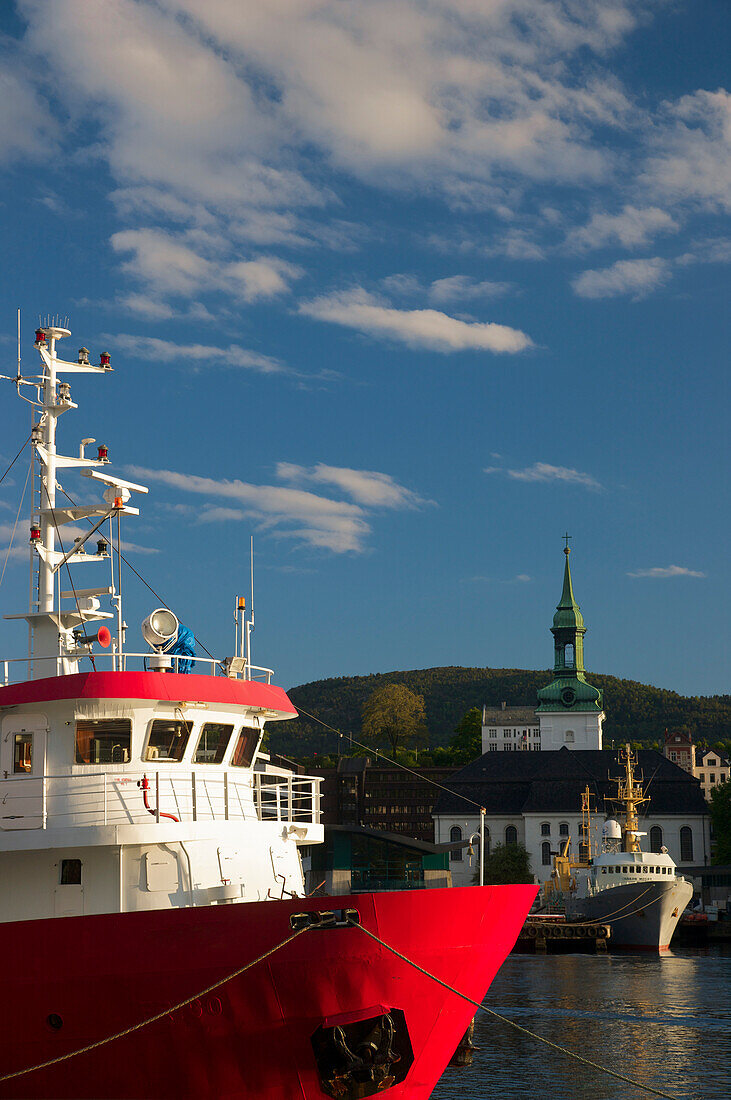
x,y
51,628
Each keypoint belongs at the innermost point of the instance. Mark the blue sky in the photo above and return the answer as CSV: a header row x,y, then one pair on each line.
x,y
405,289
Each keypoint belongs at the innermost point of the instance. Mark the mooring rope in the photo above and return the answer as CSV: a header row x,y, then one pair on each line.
x,y
158,1015
512,1023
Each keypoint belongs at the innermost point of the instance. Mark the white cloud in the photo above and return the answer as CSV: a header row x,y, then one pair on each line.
x,y
170,266
462,288
660,572
636,277
164,351
26,125
318,521
631,228
212,103
425,328
543,471
366,487
691,159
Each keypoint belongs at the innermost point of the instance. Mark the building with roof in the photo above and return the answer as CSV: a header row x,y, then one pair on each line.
x,y
534,799
709,766
510,729
712,768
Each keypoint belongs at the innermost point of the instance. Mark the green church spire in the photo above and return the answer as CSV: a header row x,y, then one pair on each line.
x,y
569,689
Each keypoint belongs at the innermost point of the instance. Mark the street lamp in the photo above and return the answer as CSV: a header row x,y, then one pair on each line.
x,y
481,837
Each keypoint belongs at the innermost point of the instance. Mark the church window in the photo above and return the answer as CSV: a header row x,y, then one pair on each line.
x,y
686,844
545,828
511,835
456,855
563,828
546,853
568,656
655,838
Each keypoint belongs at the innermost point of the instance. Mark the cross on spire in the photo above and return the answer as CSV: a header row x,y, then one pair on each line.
x,y
567,549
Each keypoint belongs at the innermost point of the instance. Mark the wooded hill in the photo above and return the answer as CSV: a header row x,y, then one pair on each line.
x,y
635,712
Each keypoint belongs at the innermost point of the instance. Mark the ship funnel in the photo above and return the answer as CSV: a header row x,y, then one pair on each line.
x,y
160,627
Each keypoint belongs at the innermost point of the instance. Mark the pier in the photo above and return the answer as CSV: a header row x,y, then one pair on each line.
x,y
540,936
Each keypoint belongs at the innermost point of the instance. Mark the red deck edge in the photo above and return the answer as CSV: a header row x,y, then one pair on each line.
x,y
149,685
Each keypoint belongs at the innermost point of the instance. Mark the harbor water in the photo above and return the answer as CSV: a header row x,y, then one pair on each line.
x,y
663,1021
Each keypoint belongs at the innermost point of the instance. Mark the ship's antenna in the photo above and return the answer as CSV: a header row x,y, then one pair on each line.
x,y
18,375
250,623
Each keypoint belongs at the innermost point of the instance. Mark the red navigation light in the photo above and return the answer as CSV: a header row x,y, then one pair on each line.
x,y
35,534
40,337
105,360
103,455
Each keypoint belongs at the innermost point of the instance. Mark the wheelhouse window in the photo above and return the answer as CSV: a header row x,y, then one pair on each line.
x,y
212,743
168,739
103,740
245,748
23,753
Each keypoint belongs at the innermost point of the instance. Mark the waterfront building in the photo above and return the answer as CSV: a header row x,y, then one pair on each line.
x,y
356,859
378,796
534,799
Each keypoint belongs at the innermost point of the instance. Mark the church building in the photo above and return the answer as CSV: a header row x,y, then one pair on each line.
x,y
569,710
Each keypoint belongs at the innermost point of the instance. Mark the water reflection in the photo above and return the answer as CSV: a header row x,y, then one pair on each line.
x,y
664,1021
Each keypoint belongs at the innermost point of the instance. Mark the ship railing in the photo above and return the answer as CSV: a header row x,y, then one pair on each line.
x,y
109,798
127,662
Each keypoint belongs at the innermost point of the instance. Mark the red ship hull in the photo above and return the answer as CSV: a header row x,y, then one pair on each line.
x,y
252,1036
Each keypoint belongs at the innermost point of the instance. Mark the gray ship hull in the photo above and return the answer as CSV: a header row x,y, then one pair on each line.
x,y
641,914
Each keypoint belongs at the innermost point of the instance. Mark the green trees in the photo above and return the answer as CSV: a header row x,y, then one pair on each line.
x,y
506,863
395,717
721,821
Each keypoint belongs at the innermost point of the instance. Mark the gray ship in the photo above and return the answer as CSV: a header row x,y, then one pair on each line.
x,y
640,894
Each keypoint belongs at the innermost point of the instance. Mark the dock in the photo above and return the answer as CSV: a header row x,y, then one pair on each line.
x,y
540,936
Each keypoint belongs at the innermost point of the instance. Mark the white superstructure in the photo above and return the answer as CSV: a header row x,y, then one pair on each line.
x,y
128,782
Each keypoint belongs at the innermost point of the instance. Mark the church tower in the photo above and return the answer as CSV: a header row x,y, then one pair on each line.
x,y
569,709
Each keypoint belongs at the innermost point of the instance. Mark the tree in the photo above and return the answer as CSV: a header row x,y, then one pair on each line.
x,y
466,745
506,863
395,716
721,822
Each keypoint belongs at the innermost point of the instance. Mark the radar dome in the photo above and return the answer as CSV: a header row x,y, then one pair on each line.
x,y
611,829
